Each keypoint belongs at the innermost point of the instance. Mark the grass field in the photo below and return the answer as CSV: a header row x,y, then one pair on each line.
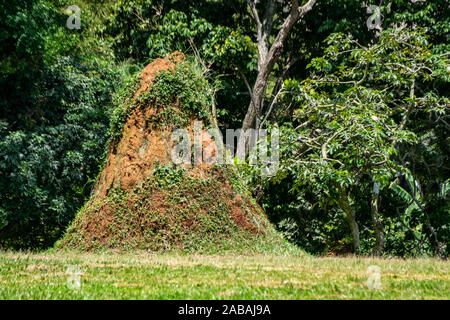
x,y
69,275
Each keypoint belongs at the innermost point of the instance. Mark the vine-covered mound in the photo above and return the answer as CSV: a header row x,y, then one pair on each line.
x,y
143,201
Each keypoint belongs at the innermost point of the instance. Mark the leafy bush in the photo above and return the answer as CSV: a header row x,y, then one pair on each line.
x,y
55,115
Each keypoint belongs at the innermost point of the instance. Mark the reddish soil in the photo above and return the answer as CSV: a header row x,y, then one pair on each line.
x,y
131,161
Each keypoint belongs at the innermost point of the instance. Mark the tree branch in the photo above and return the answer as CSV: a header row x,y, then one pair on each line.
x,y
272,104
244,78
255,15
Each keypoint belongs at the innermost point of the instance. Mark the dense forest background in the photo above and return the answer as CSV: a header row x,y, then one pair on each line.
x,y
358,91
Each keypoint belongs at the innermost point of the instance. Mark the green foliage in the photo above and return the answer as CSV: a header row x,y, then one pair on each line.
x,y
167,176
46,172
352,115
352,121
123,105
432,15
216,32
55,115
179,96
215,43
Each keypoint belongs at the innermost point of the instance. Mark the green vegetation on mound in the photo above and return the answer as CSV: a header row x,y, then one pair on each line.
x,y
175,211
178,95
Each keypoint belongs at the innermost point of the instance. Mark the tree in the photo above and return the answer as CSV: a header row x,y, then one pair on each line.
x,y
352,116
269,53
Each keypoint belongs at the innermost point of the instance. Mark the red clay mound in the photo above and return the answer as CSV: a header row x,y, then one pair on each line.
x,y
132,159
142,200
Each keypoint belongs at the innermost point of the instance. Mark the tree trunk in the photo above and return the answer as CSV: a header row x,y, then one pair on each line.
x,y
269,54
259,93
438,246
350,214
377,224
